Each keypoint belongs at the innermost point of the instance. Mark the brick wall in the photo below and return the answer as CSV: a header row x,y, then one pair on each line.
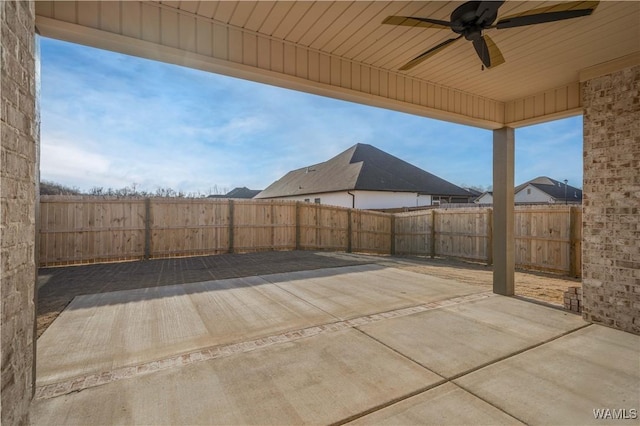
x,y
18,146
611,238
573,299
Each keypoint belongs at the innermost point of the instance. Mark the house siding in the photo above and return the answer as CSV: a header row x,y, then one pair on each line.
x,y
485,199
367,199
536,196
339,199
389,200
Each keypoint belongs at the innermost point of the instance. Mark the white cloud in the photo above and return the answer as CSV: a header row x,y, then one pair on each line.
x,y
64,162
64,159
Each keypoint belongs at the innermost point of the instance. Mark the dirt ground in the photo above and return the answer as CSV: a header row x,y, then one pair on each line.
x,y
58,286
540,286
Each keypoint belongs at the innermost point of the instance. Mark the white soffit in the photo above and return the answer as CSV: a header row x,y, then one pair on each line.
x,y
341,49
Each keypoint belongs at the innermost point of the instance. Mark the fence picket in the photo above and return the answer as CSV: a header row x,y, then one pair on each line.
x,y
77,229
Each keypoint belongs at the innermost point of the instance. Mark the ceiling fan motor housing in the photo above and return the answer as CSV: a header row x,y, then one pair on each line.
x,y
470,18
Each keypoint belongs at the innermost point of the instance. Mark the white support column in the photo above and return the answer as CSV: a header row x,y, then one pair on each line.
x,y
503,211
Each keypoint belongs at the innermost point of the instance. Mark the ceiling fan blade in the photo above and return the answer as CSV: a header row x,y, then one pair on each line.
x,y
410,21
488,52
495,55
483,51
559,12
429,53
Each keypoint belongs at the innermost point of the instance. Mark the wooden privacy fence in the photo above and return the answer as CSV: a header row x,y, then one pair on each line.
x,y
77,229
547,238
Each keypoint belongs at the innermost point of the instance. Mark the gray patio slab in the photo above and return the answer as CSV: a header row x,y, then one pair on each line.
x,y
446,404
352,295
457,339
100,332
470,358
319,381
564,381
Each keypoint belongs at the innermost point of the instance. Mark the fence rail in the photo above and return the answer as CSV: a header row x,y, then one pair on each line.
x,y
76,229
547,238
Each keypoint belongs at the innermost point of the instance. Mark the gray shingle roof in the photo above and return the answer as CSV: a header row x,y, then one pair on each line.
x,y
361,167
238,192
243,192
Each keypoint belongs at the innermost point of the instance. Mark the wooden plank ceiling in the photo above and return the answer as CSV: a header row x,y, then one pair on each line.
x,y
342,49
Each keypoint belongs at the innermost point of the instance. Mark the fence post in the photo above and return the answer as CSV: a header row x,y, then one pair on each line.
x,y
349,247
147,228
489,237
359,231
273,226
318,230
433,234
575,226
393,234
231,226
298,214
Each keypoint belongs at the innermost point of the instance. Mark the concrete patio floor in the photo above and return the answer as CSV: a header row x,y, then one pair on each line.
x,y
366,343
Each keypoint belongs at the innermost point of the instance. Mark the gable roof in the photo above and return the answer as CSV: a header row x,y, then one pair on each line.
x,y
361,167
485,193
238,192
243,192
473,192
553,188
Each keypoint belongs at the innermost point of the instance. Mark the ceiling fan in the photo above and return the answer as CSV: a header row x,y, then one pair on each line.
x,y
470,19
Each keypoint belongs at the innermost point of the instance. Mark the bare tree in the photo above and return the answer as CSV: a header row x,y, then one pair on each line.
x,y
53,188
133,190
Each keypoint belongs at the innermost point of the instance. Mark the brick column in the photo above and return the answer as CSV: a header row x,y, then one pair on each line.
x,y
18,171
611,200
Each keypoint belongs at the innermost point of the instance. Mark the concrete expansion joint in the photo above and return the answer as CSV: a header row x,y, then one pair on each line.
x,y
80,383
453,379
513,354
389,403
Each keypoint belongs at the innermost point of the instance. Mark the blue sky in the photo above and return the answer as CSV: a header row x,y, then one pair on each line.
x,y
111,120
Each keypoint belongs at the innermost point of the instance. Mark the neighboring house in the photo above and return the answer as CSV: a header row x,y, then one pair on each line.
x,y
544,190
485,198
243,192
474,192
365,177
541,190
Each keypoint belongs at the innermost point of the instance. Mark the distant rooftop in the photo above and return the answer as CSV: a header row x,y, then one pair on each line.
x,y
239,192
361,167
